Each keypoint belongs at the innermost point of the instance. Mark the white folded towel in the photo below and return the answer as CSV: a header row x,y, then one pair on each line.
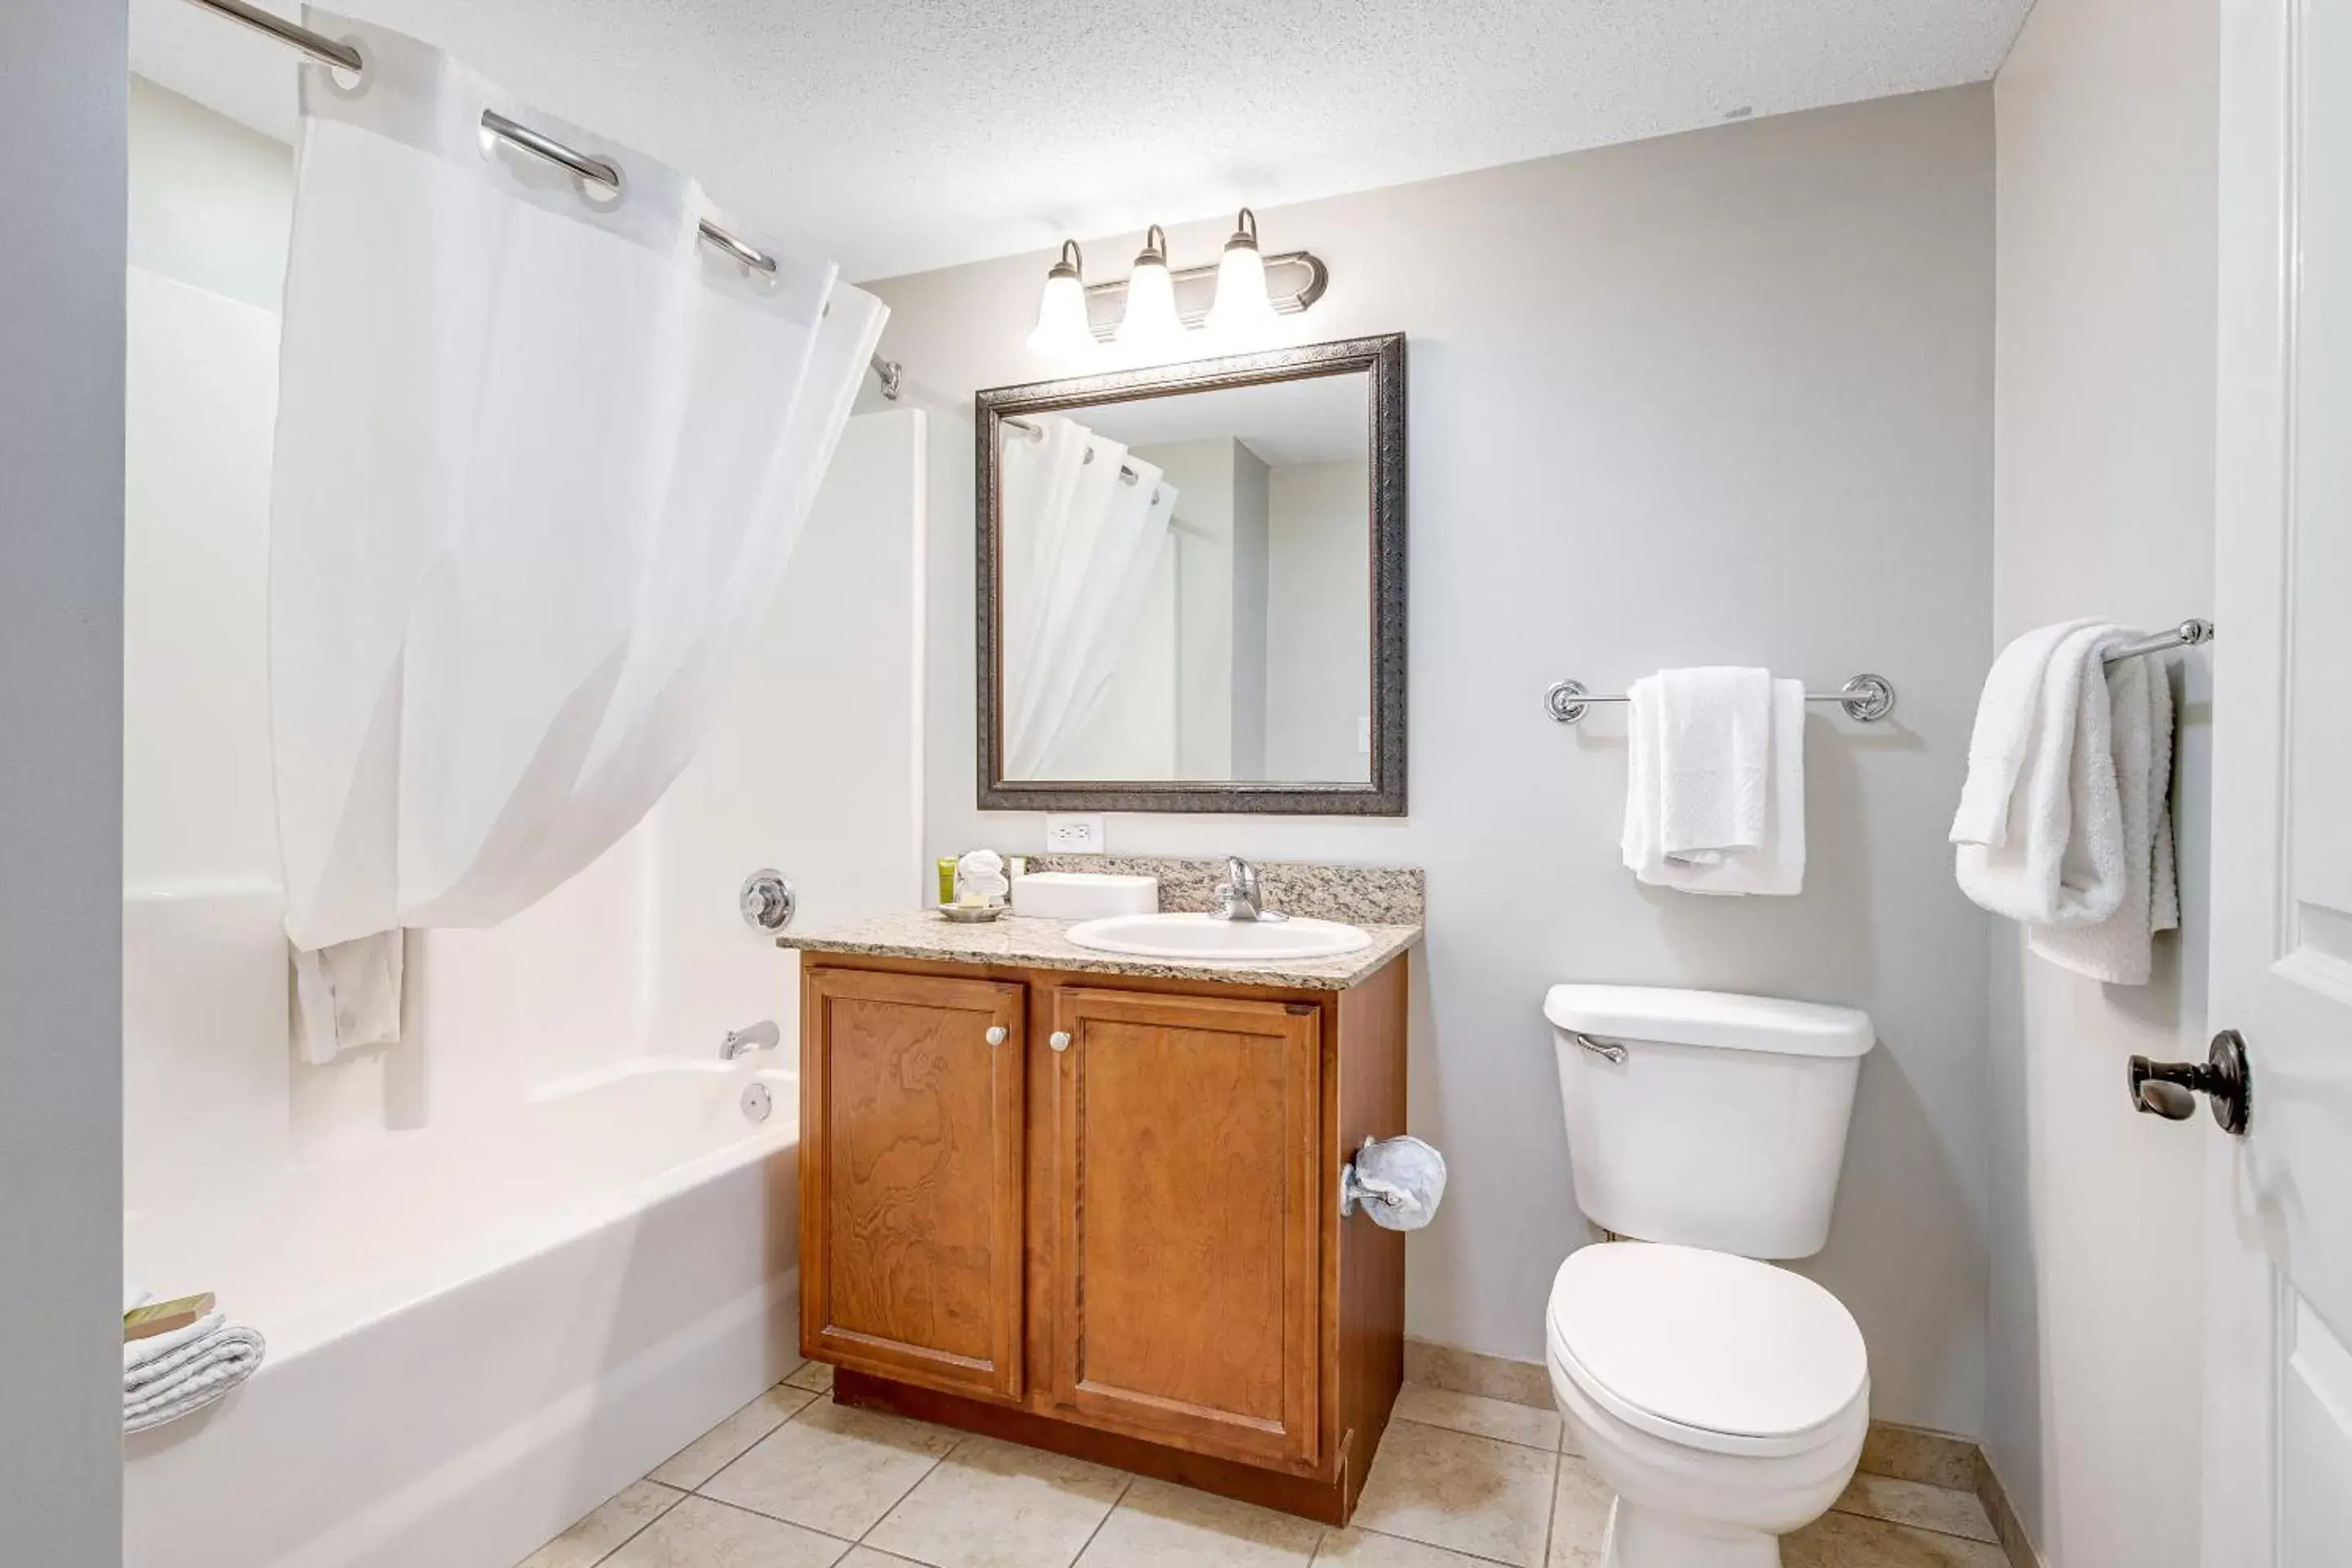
x,y
2119,950
1715,745
2054,856
165,1377
1777,864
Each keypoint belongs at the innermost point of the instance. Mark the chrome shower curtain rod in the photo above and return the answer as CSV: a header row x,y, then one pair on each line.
x,y
327,51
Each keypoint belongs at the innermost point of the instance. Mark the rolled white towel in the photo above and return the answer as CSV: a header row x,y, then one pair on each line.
x,y
165,1377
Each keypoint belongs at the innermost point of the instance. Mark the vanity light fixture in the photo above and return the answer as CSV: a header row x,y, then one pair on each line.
x,y
1242,305
1150,321
1238,295
1062,325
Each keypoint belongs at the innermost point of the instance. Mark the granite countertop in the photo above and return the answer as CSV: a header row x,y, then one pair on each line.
x,y
1026,942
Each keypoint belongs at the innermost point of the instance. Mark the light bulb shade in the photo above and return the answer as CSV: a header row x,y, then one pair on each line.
x,y
1062,324
1150,321
1241,304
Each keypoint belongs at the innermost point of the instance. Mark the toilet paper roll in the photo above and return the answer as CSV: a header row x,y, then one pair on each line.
x,y
1399,1181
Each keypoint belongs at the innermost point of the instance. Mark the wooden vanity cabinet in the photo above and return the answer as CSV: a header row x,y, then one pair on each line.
x,y
1116,1233
912,1179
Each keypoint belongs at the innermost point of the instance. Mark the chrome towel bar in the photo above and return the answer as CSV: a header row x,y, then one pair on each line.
x,y
1867,698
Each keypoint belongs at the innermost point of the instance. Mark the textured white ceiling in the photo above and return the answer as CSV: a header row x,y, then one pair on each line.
x,y
900,135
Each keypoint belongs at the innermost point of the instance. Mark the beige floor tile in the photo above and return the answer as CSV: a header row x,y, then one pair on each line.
x,y
833,1469
1522,1423
999,1505
1363,1549
700,1533
1850,1540
615,1519
1916,1454
1580,1515
1912,1502
710,1453
1463,1492
866,1557
1157,1525
817,1376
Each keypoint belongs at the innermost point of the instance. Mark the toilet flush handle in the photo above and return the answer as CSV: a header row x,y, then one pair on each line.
x,y
1615,1053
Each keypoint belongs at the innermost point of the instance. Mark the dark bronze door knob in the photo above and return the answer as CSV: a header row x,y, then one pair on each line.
x,y
2169,1090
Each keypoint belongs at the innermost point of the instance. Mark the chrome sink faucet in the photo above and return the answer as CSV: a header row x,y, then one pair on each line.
x,y
1237,900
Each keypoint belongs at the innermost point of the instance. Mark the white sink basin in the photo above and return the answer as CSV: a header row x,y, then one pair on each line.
x,y
1199,936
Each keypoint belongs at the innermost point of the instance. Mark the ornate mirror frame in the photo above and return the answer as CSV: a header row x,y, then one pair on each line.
x,y
1382,359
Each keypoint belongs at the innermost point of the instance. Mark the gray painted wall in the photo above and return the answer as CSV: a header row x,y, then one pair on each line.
x,y
2103,505
1318,682
1716,397
62,69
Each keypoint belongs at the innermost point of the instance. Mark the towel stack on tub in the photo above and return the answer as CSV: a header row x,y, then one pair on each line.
x,y
180,1356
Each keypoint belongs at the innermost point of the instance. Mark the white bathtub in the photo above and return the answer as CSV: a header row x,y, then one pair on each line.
x,y
475,1334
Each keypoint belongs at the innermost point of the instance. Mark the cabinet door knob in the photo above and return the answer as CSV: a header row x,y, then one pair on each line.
x,y
1059,1039
996,1033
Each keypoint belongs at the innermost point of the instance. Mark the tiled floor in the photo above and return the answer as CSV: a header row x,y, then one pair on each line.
x,y
793,1480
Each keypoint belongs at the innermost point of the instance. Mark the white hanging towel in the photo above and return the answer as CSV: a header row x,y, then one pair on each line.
x,y
1715,745
2003,741
2120,949
2079,846
1776,866
2052,855
346,996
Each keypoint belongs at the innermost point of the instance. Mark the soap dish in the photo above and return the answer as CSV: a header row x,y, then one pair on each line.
x,y
970,914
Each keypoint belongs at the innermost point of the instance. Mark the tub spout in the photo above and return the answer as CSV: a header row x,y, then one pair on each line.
x,y
762,1036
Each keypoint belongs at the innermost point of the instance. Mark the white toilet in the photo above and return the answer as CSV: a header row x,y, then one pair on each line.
x,y
1723,1400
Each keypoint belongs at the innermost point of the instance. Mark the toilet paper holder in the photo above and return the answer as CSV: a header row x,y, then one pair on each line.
x,y
1390,1208
1353,1192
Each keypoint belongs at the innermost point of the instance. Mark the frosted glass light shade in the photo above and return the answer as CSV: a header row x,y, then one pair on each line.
x,y
1150,321
1062,325
1241,307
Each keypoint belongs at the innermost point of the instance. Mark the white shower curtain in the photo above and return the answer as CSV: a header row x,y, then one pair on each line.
x,y
540,459
1086,520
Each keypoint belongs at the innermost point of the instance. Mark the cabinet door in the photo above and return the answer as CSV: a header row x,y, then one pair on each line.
x,y
1186,1278
911,1178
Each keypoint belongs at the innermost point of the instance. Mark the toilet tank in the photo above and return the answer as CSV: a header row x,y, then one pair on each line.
x,y
1705,1117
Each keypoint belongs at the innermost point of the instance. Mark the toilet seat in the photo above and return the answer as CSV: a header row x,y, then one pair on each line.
x,y
1709,1350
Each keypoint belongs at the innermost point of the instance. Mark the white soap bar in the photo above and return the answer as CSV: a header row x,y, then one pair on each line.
x,y
1084,895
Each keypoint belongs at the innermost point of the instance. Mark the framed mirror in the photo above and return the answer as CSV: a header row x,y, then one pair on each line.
x,y
1191,586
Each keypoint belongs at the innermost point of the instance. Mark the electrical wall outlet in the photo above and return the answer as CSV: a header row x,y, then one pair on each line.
x,y
1074,835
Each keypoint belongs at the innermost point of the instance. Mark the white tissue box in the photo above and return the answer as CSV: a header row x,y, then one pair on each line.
x,y
1084,895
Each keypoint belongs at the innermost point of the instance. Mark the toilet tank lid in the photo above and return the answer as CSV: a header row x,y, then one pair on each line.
x,y
1722,1019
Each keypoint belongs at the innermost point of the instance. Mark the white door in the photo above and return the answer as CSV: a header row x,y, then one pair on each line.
x,y
2278,1362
